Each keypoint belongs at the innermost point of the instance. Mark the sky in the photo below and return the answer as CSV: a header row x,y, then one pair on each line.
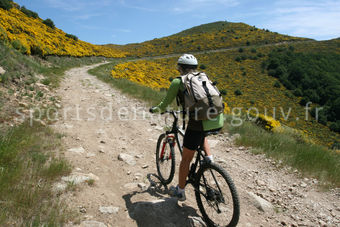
x,y
133,21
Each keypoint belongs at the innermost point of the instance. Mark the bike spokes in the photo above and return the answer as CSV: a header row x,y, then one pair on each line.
x,y
215,198
165,159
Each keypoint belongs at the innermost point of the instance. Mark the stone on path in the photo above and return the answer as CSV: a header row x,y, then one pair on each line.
x,y
109,210
127,159
130,186
78,150
260,203
79,178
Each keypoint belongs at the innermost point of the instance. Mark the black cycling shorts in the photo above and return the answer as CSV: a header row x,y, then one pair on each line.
x,y
193,139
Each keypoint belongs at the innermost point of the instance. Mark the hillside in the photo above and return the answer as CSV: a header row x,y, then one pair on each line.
x,y
26,32
245,83
210,36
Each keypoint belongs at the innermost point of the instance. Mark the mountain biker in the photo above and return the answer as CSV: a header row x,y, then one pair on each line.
x,y
196,129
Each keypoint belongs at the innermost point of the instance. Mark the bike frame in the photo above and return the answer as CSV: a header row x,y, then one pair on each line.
x,y
172,135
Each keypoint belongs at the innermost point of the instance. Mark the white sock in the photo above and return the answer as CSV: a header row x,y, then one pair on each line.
x,y
180,190
210,158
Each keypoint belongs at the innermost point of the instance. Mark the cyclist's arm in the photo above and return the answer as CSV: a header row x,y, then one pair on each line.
x,y
170,96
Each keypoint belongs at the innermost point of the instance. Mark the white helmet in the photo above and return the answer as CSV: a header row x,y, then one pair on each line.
x,y
187,59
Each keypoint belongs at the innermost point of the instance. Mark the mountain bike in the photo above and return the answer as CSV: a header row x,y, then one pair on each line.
x,y
215,192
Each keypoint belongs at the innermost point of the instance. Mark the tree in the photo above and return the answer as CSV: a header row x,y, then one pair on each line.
x,y
238,92
6,4
28,12
49,23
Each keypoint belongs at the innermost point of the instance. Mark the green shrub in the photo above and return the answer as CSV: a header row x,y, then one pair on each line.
x,y
39,95
49,23
304,101
6,4
28,12
335,126
297,92
238,59
36,50
240,50
16,44
203,66
223,92
238,92
72,37
46,81
277,84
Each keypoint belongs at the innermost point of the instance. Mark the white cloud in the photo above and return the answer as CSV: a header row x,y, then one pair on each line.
x,y
315,19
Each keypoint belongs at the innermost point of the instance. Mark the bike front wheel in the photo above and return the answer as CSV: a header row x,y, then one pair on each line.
x,y
216,196
165,159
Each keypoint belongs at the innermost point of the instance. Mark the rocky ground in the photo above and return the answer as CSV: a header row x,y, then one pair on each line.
x,y
110,140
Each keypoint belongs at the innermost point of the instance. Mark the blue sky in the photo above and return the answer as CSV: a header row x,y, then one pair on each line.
x,y
130,21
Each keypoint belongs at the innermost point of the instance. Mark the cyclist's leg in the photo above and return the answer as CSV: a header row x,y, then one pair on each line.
x,y
187,156
192,140
206,147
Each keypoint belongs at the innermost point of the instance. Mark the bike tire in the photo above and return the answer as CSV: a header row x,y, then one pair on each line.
x,y
165,174
201,189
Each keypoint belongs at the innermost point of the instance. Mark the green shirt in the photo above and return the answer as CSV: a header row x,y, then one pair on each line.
x,y
177,86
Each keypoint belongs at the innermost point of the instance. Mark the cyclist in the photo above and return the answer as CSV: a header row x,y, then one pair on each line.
x,y
196,129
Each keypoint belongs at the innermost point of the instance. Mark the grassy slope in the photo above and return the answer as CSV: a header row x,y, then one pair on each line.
x,y
207,37
240,70
28,168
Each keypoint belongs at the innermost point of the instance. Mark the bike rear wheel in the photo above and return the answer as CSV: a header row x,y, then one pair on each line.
x,y
216,196
165,159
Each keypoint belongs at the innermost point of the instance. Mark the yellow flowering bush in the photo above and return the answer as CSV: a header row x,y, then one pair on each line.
x,y
146,73
226,109
38,37
268,123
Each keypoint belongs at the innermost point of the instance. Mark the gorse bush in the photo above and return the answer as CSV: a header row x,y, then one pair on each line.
x,y
22,24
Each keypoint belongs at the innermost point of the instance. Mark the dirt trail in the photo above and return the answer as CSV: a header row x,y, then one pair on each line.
x,y
112,192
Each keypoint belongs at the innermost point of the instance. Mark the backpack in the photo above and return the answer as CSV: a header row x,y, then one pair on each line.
x,y
201,98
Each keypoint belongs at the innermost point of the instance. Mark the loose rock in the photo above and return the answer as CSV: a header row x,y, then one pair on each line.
x,y
78,150
260,203
109,210
127,159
